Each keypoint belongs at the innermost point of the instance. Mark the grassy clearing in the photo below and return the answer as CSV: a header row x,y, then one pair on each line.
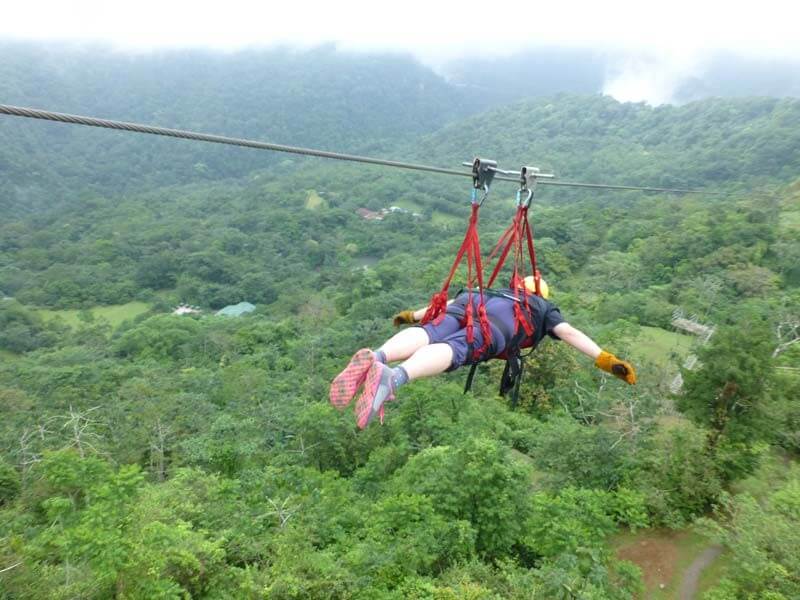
x,y
314,201
5,355
114,314
366,260
790,219
660,346
409,205
437,218
440,218
663,556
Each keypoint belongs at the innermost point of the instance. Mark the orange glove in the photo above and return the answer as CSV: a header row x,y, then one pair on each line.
x,y
618,368
404,317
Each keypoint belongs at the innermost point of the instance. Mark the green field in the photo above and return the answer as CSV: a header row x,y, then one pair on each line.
x,y
440,218
314,201
6,355
409,205
114,314
659,345
790,219
437,218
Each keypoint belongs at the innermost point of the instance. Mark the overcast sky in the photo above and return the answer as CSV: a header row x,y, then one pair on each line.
x,y
664,41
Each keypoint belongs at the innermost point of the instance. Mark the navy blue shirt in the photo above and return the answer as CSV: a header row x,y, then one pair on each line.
x,y
500,309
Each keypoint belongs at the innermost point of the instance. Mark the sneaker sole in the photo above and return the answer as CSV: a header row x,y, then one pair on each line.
x,y
364,402
364,412
346,383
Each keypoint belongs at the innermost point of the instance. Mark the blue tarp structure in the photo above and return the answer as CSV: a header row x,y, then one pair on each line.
x,y
236,310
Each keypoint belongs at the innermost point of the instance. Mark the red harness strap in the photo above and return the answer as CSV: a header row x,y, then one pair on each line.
x,y
438,305
512,238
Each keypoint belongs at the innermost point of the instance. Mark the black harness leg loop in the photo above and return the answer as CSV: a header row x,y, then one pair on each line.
x,y
517,383
470,377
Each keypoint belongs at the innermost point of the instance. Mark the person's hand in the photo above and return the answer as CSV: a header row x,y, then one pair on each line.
x,y
617,367
404,317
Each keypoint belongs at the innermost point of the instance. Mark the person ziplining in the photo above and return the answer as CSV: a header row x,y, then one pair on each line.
x,y
477,325
430,349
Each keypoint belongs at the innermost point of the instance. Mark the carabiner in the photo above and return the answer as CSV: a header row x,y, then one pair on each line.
x,y
527,201
475,195
527,183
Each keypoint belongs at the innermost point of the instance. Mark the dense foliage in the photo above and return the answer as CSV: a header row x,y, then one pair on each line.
x,y
197,456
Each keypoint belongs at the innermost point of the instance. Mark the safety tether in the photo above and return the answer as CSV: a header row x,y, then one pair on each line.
x,y
471,249
519,238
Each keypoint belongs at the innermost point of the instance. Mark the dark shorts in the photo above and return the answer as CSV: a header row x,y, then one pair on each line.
x,y
500,310
449,331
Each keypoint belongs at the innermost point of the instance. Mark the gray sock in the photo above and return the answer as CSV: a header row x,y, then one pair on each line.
x,y
391,379
399,377
380,356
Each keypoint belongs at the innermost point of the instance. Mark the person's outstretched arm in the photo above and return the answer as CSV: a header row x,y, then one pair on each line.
x,y
602,359
409,317
577,339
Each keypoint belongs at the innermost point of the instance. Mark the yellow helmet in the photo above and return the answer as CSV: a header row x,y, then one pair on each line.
x,y
530,285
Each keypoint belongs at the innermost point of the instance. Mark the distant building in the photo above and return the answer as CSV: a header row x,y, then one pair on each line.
x,y
185,309
369,215
236,310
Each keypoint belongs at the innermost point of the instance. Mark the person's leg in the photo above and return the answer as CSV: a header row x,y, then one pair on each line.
x,y
404,343
382,381
424,354
428,361
399,347
442,354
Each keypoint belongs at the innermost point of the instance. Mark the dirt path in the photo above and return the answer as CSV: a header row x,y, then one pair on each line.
x,y
691,577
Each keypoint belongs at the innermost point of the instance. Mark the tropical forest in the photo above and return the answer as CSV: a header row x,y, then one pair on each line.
x,y
172,314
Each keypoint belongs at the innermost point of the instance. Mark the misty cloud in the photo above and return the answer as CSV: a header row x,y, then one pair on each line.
x,y
652,79
652,50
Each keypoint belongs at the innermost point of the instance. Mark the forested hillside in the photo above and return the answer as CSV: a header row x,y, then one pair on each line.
x,y
714,142
323,98
147,454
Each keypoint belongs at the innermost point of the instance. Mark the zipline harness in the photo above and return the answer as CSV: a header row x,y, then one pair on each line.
x,y
514,241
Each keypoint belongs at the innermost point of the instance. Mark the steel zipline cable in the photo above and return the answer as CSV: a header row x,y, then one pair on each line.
x,y
33,113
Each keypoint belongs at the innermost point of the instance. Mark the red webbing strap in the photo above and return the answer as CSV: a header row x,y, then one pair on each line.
x,y
438,304
518,276
512,237
537,276
507,245
483,318
503,239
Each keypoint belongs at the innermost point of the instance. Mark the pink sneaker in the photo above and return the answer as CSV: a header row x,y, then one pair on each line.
x,y
344,387
378,389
